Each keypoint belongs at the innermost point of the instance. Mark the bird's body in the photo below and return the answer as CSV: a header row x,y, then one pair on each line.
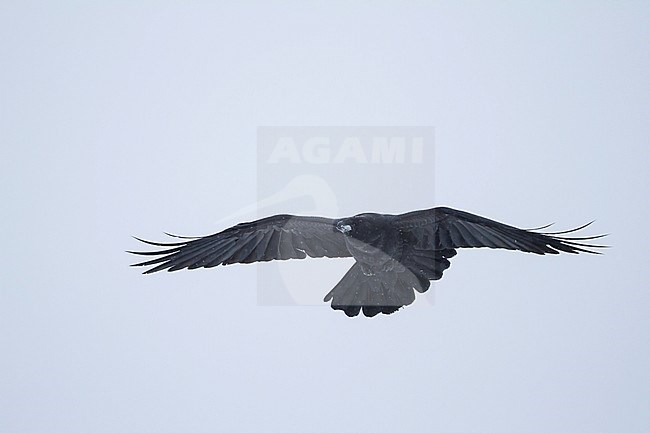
x,y
375,243
395,255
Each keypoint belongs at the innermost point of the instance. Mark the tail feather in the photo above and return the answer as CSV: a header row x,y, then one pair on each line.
x,y
388,291
384,292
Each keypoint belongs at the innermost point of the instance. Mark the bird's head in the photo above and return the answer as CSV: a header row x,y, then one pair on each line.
x,y
363,227
344,226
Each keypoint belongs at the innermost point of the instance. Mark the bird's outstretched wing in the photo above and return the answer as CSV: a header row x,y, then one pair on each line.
x,y
444,228
278,237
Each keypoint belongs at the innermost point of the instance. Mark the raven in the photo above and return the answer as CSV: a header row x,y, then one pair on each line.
x,y
395,255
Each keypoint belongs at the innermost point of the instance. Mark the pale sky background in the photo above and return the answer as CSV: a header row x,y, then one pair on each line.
x,y
134,118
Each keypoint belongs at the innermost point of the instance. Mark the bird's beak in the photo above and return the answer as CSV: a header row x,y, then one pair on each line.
x,y
343,228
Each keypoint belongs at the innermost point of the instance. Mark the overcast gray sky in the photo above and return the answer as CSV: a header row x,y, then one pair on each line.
x,y
134,118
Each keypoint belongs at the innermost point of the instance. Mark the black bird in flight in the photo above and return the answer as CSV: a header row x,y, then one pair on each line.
x,y
395,255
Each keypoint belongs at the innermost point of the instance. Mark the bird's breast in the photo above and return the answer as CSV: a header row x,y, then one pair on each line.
x,y
379,252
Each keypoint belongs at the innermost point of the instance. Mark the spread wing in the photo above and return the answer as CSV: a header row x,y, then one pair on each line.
x,y
444,228
279,237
